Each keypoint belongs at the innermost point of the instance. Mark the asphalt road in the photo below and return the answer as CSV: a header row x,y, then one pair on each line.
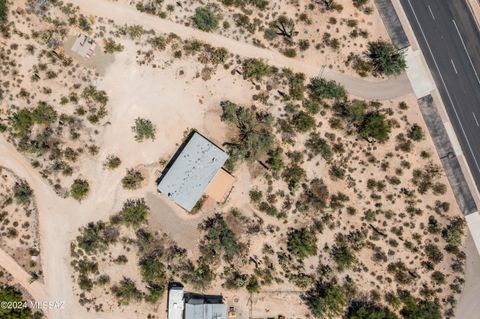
x,y
450,41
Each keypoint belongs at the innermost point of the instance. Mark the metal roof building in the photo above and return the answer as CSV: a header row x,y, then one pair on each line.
x,y
191,171
205,307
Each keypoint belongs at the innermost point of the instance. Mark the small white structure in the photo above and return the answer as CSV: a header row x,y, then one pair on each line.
x,y
175,302
192,170
84,46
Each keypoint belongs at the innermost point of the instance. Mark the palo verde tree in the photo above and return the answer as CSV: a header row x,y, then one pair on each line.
x,y
302,243
326,300
321,88
386,58
254,137
205,19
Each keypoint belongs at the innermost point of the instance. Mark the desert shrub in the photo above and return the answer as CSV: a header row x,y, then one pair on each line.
x,y
255,136
92,95
132,179
256,69
302,243
293,175
135,31
316,195
9,294
319,146
3,13
219,240
22,192
201,276
296,84
433,253
205,19
112,162
253,285
438,277
110,46
143,129
326,300
126,292
134,212
415,308
275,159
323,89
154,273
454,232
416,133
255,195
375,126
79,189
401,273
95,237
22,122
385,58
368,310
44,114
303,122
343,256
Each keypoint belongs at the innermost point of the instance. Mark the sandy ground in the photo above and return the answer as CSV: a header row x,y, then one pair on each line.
x,y
468,306
123,14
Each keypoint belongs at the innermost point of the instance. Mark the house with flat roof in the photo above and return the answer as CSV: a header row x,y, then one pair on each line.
x,y
196,170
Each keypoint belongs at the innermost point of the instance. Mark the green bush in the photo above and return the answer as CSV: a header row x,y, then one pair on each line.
x,y
3,13
326,300
415,308
132,179
79,189
319,146
44,114
302,243
134,212
255,136
303,122
324,89
143,129
416,133
9,294
256,69
219,240
112,162
375,126
205,19
126,292
96,237
22,193
385,58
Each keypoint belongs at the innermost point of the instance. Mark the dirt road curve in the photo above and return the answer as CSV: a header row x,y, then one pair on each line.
x,y
124,14
57,228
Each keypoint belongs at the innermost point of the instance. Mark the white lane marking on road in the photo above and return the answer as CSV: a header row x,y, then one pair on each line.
x,y
454,68
465,48
475,117
431,12
445,86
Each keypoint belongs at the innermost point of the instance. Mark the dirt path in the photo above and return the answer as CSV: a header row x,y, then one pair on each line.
x,y
59,220
36,289
124,14
468,306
